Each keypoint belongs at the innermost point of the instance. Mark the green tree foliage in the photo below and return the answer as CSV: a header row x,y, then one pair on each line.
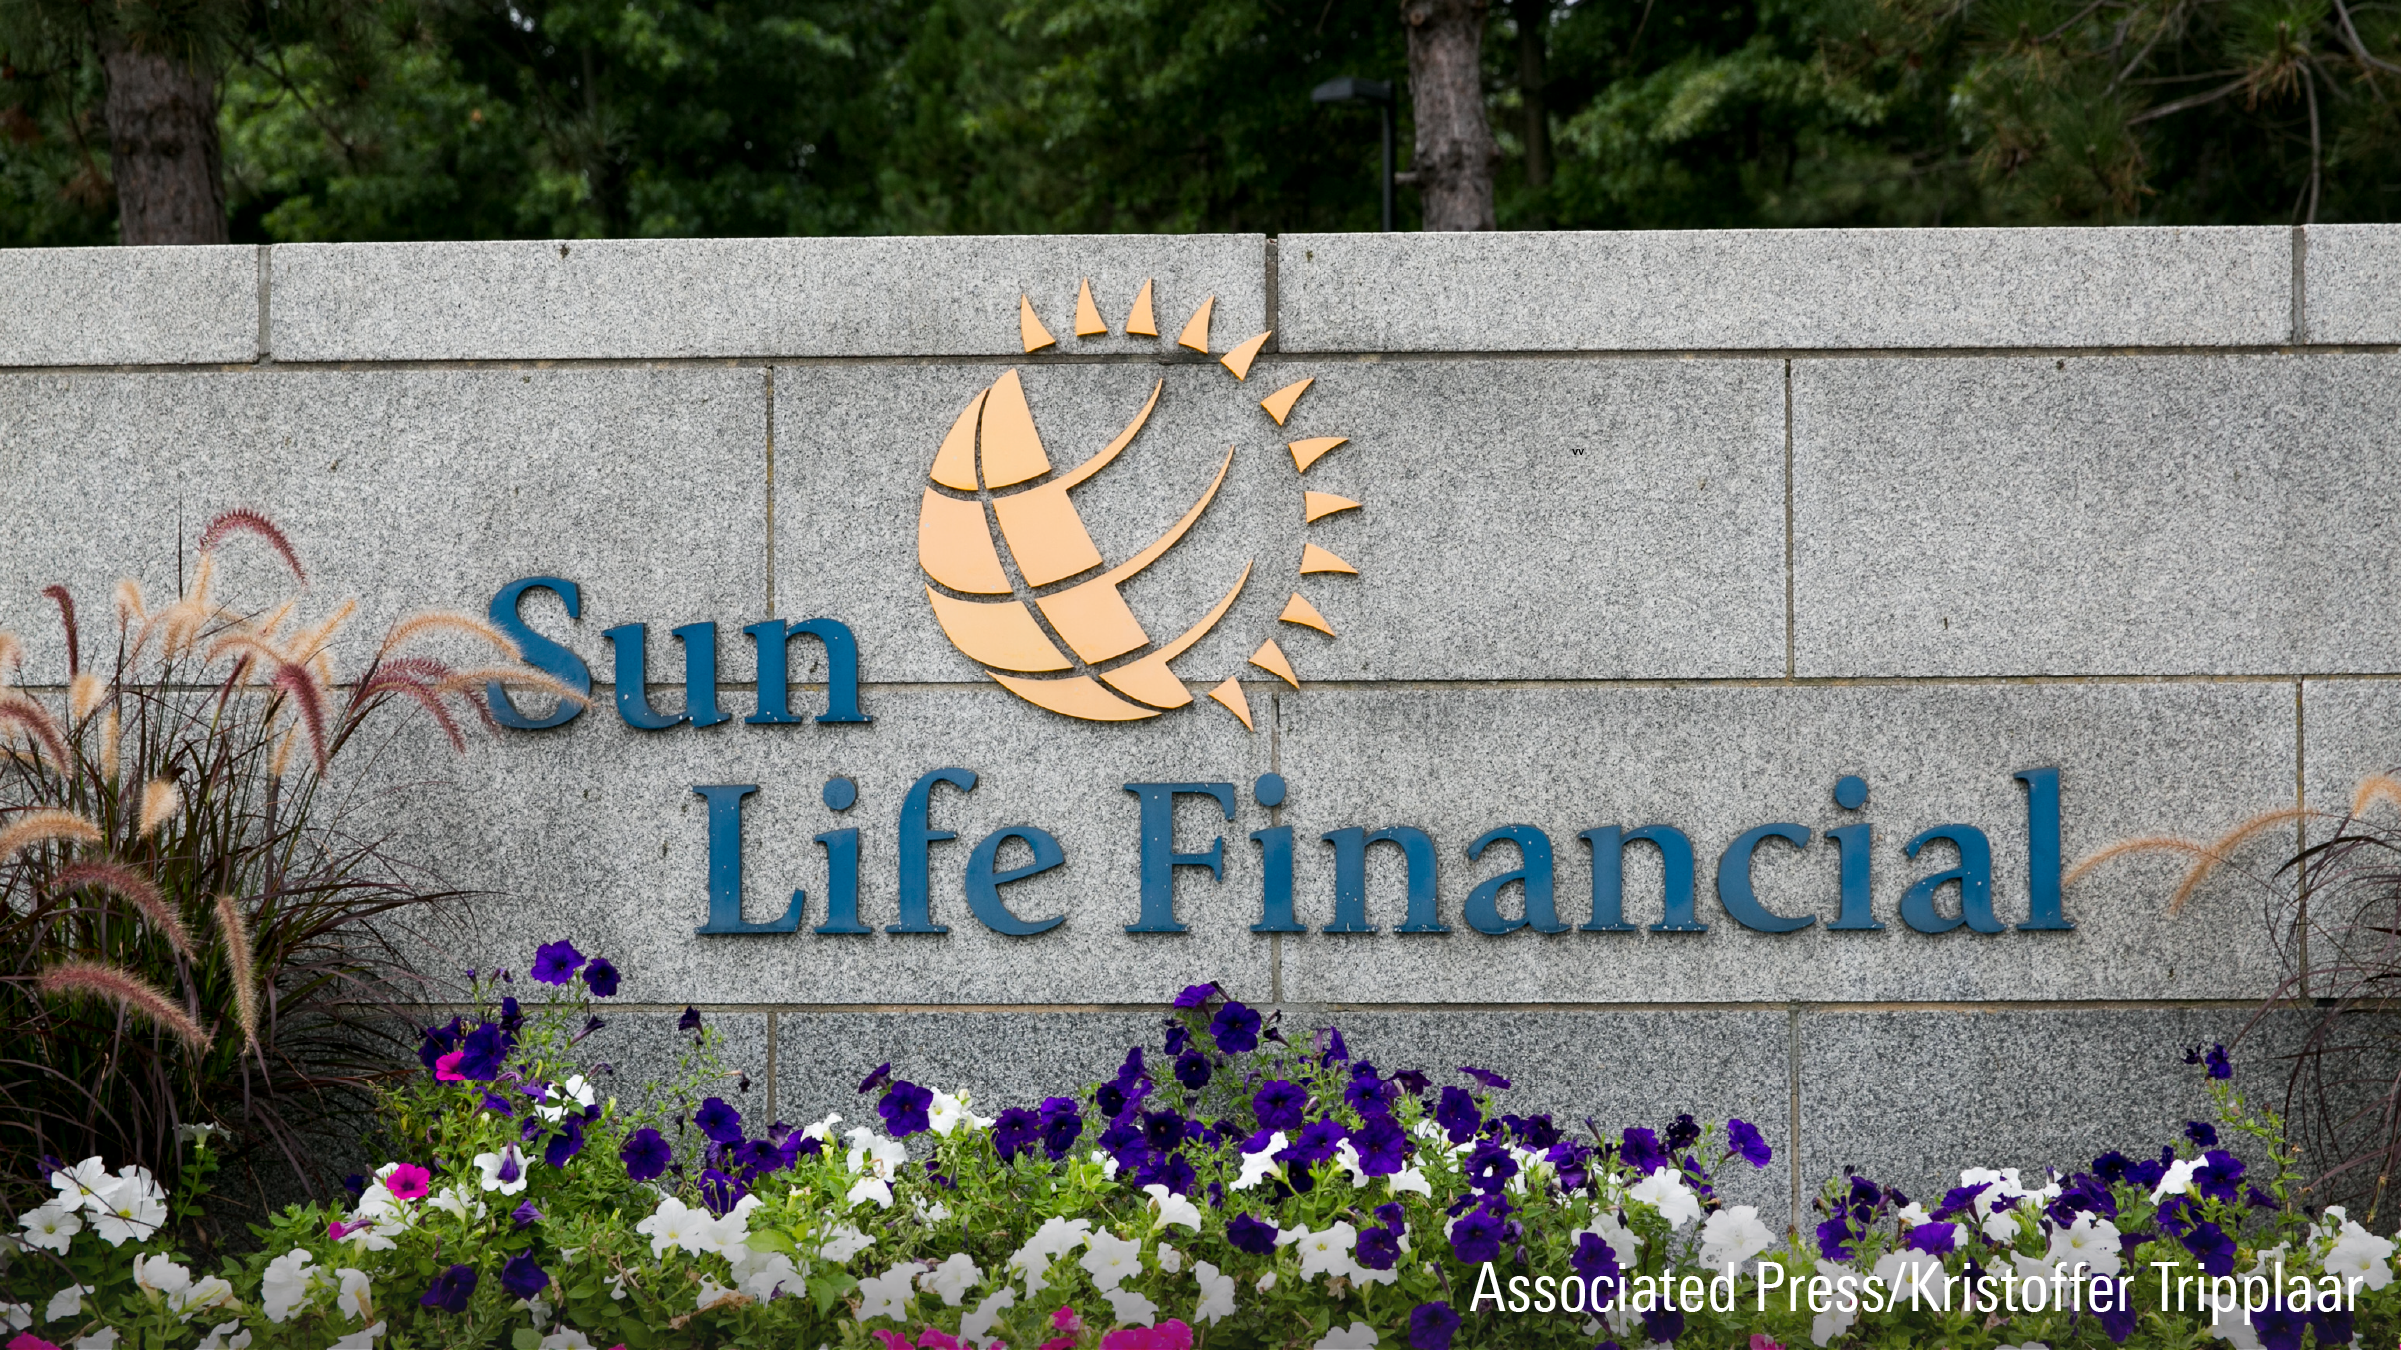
x,y
399,119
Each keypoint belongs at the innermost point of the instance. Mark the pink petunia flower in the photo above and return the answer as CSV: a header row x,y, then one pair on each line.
x,y
408,1181
1169,1335
1761,1341
1058,1343
446,1068
892,1340
26,1340
934,1338
1065,1319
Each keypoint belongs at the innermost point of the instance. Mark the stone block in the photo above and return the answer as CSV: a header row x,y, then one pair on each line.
x,y
405,489
593,831
2101,516
656,298
1752,290
1520,519
1000,1059
653,1065
2030,1090
165,306
2351,284
2188,759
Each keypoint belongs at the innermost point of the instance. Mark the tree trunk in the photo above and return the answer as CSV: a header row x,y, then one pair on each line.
x,y
1533,40
162,145
1455,149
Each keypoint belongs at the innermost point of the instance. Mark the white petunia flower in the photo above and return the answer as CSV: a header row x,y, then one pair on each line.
x,y
66,1302
2091,1241
842,1242
1129,1308
1913,1214
976,1327
212,1292
160,1276
949,1111
359,1340
1733,1236
1328,1252
1623,1244
1256,1166
2360,1254
870,1188
15,1316
357,1297
1217,1293
951,1280
1266,1282
1170,1260
1911,1273
1356,1336
1109,1259
128,1206
764,1275
457,1201
674,1224
1833,1321
566,1338
1106,1164
711,1294
52,1225
888,1294
503,1171
75,1184
2179,1180
103,1339
875,1155
1411,1179
575,1090
1172,1208
288,1282
225,1336
1665,1191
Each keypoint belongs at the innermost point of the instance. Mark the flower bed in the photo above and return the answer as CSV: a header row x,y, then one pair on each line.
x,y
1226,1187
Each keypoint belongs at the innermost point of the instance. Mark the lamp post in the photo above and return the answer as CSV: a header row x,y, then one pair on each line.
x,y
1352,89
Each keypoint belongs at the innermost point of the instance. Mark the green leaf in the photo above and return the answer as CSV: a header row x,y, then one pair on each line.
x,y
526,1338
772,1240
827,1290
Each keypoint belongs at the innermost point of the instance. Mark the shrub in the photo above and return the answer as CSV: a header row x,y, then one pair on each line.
x,y
192,939
1222,1188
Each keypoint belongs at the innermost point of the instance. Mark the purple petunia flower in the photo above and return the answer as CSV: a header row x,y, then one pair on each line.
x,y
690,1021
906,1108
564,1145
719,1121
2280,1328
1383,1147
1248,1234
601,977
1683,1134
2215,1060
1335,1051
1175,1173
1490,1167
1959,1199
797,1146
524,1215
1278,1105
1317,1141
482,1052
1458,1115
497,1104
646,1155
1834,1238
555,963
1748,1144
759,1155
2220,1178
1192,1070
1641,1152
881,1076
2117,1322
1412,1082
1235,1029
1663,1325
2210,1246
1062,1125
1016,1131
1934,1239
720,1192
2332,1326
1197,995
1485,1076
1593,1260
522,1277
1476,1238
1431,1326
1378,1248
2202,1133
1163,1130
450,1290
438,1041
1124,1142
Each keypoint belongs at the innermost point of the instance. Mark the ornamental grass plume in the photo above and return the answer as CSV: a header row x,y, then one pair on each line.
x,y
191,932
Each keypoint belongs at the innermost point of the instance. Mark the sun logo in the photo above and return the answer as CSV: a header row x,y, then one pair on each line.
x,y
1060,635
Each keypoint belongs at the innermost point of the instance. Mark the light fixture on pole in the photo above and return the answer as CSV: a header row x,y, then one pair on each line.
x,y
1352,89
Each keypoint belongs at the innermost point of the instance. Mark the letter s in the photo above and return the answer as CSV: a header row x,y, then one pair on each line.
x,y
539,652
1517,1293
1545,1299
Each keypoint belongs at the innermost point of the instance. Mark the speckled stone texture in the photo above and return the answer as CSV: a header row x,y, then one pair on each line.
x,y
1630,525
594,829
998,1059
654,298
2190,759
2101,516
164,306
2352,283
404,489
1910,1098
1749,290
650,1063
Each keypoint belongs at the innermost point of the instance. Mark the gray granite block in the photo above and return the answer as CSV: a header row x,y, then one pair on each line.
x,y
2188,759
592,831
654,1066
1611,1070
2352,283
1749,290
651,298
404,489
2354,731
999,1059
167,306
2086,516
1909,1098
1519,519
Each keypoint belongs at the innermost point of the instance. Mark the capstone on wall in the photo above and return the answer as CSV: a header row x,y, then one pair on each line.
x,y
1649,529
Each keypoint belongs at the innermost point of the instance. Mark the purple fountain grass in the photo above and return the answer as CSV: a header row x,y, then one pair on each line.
x,y
130,992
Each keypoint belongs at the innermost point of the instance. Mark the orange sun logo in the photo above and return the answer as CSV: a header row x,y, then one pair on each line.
x,y
1063,638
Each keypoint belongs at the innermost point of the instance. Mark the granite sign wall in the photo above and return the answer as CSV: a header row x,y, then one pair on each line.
x,y
1677,670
